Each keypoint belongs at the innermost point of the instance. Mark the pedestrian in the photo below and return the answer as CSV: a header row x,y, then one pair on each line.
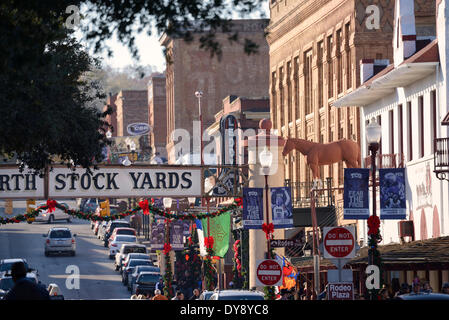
x,y
445,288
383,294
158,295
416,288
24,289
196,294
179,296
160,285
141,297
404,289
426,288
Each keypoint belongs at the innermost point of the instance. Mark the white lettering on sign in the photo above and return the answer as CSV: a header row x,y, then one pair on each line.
x,y
341,291
355,199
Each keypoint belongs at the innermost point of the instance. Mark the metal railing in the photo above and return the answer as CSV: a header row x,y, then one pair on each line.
x,y
386,161
225,181
441,159
301,193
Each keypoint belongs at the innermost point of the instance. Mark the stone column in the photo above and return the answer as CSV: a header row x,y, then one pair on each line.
x,y
256,144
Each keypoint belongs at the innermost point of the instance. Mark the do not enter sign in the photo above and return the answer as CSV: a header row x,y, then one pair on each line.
x,y
269,273
339,242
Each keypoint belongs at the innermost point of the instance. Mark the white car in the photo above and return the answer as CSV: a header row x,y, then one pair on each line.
x,y
125,249
50,217
237,295
116,244
59,240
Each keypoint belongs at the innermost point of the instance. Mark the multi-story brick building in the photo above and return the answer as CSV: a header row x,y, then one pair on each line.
x,y
132,107
191,69
112,118
315,49
157,113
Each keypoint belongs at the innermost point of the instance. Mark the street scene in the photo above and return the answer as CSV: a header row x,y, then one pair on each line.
x,y
212,150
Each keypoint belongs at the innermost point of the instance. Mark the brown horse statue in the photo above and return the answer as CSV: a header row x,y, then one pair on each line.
x,y
318,154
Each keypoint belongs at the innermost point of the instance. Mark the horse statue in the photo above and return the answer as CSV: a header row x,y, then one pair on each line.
x,y
318,154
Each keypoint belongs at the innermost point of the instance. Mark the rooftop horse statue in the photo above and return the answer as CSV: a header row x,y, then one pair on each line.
x,y
318,154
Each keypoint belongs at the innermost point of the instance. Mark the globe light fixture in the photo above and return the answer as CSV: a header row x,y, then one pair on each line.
x,y
126,162
373,132
266,158
109,134
167,202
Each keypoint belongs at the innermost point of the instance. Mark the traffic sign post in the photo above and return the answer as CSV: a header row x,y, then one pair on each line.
x,y
268,273
339,242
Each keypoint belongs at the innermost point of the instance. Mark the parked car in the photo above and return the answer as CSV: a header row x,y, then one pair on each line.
x,y
237,295
60,240
133,276
131,266
145,283
423,296
125,250
122,231
6,264
57,215
110,229
205,295
135,255
115,245
88,205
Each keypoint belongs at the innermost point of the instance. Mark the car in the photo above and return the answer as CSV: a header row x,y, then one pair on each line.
x,y
135,255
205,295
423,296
50,217
130,268
115,245
125,249
133,276
145,283
6,264
54,292
88,205
123,231
237,295
6,282
60,240
110,229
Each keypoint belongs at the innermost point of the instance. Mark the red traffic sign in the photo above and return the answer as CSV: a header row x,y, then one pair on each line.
x,y
339,242
340,291
268,273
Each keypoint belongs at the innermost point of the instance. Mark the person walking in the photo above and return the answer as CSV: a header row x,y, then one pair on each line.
x,y
196,295
179,296
445,288
158,295
24,289
160,285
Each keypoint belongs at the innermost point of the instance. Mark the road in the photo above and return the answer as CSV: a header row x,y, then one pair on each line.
x,y
98,280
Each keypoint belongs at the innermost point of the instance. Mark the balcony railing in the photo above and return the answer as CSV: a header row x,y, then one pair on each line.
x,y
301,193
442,158
386,161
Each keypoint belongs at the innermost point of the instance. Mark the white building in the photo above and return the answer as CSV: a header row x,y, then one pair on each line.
x,y
409,99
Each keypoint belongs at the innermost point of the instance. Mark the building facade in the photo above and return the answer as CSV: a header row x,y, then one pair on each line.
x,y
191,69
315,47
157,114
112,118
132,107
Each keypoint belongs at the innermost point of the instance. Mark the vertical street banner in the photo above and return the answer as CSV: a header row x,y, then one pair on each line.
x,y
252,208
219,228
392,194
356,191
177,235
281,207
157,235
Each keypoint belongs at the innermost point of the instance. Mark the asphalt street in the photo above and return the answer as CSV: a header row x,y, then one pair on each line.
x,y
98,280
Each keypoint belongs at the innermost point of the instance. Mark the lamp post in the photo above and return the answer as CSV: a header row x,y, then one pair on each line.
x,y
199,95
266,159
373,136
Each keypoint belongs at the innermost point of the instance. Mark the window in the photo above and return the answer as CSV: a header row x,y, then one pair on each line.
x,y
391,119
421,125
330,68
409,131
281,95
348,58
296,81
433,103
274,97
401,131
289,94
339,63
60,234
308,81
320,73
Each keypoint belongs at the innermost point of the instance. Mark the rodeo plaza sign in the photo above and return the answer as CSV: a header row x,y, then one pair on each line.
x,y
108,181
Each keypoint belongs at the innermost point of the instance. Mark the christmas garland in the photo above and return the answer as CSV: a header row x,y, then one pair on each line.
x,y
209,271
269,290
143,205
168,276
374,238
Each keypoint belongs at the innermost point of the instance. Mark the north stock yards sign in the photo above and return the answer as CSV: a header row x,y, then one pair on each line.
x,y
108,181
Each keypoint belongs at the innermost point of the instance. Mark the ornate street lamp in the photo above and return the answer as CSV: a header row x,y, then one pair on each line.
x,y
266,160
373,136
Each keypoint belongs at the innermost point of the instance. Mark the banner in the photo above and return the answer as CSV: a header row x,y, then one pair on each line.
x,y
157,235
281,207
392,194
252,208
355,196
176,235
219,229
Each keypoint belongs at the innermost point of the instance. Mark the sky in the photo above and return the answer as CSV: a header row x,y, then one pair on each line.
x,y
151,52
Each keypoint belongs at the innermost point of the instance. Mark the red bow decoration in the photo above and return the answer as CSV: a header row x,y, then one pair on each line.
x,y
187,257
268,229
190,240
373,225
239,201
209,242
51,204
145,207
167,248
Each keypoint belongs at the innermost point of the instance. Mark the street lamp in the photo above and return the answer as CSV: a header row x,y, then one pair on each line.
x,y
109,134
167,202
373,136
266,159
199,95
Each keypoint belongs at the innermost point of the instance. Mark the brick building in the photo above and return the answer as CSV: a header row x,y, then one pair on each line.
x,y
315,49
192,69
157,113
132,107
112,118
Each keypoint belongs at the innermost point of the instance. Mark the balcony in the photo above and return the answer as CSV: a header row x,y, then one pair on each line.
x,y
386,161
442,158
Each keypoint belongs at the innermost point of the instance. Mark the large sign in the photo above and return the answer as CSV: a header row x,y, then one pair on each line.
x,y
340,291
339,242
268,273
109,181
252,208
355,197
138,129
281,207
392,193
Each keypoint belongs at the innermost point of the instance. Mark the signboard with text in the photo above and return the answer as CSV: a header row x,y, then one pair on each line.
x,y
281,207
252,208
268,273
339,242
392,193
340,291
20,185
356,201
